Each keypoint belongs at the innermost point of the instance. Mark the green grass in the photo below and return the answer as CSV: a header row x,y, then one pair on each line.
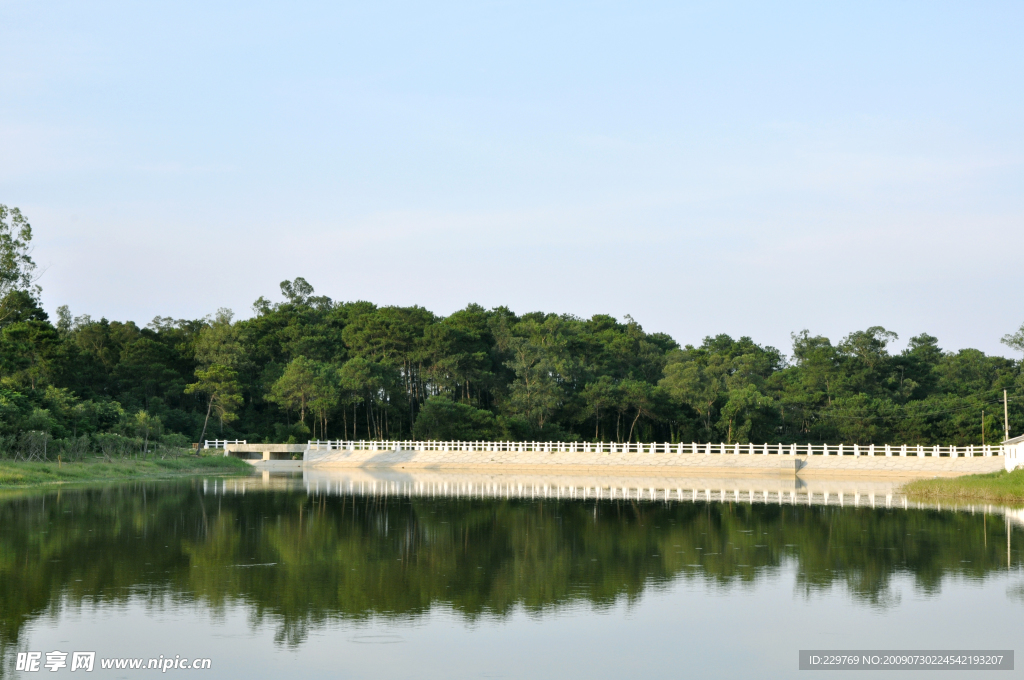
x,y
21,475
996,487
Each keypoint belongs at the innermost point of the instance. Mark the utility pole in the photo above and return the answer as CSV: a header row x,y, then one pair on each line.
x,y
983,427
1006,417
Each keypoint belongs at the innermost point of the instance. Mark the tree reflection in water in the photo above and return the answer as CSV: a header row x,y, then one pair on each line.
x,y
297,561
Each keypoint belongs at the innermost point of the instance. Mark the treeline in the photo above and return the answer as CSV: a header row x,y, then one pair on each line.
x,y
308,367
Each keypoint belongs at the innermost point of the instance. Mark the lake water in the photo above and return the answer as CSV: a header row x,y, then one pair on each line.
x,y
432,577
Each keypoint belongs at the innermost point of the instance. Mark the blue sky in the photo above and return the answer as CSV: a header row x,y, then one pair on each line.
x,y
751,169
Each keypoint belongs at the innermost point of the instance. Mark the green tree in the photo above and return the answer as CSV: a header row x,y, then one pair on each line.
x,y
28,343
297,386
368,382
145,370
737,412
218,342
637,396
533,395
1015,340
696,384
147,426
443,419
599,396
457,349
222,390
16,266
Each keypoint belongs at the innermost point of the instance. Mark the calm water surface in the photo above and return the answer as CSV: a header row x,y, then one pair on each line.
x,y
281,580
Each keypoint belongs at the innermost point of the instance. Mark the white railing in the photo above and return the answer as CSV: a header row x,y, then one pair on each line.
x,y
220,443
902,450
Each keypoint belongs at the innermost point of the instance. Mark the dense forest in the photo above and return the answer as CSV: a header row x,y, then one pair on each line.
x,y
309,367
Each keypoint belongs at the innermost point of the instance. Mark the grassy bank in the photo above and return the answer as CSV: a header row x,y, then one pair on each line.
x,y
996,487
23,474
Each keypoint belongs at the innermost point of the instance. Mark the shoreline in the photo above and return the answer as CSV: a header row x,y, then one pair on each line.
x,y
44,474
994,487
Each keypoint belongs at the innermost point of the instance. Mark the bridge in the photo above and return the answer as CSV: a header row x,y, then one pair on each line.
x,y
842,459
665,448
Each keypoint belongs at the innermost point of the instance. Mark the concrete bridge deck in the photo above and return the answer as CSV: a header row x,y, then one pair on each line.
x,y
632,459
661,464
